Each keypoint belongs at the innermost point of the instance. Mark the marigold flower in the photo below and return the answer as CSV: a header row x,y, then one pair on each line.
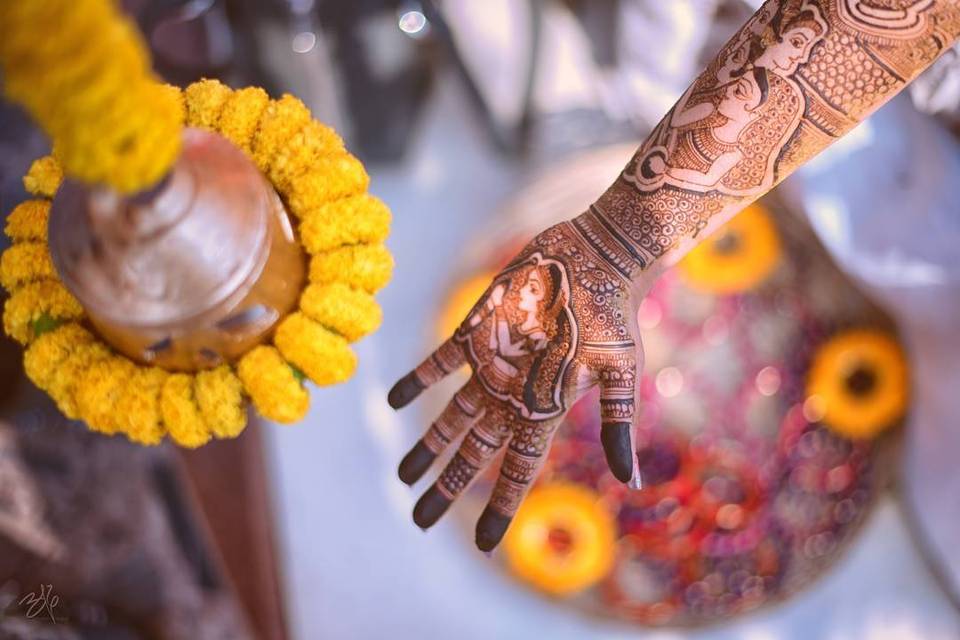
x,y
319,353
98,392
28,221
302,152
130,144
48,352
44,177
739,256
364,267
241,116
277,393
25,262
138,407
87,82
219,395
281,120
89,85
359,219
65,380
35,301
350,312
205,101
181,415
328,179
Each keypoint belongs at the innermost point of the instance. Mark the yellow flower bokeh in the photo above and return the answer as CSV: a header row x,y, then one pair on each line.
x,y
562,539
859,382
740,255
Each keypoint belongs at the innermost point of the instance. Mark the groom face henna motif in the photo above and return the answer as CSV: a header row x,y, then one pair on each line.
x,y
793,31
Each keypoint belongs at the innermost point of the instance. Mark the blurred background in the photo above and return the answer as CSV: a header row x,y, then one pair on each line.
x,y
482,122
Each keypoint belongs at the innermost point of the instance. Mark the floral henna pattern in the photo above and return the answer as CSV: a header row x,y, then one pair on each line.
x,y
561,317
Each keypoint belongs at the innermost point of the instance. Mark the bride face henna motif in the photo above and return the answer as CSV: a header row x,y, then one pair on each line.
x,y
742,98
560,318
521,343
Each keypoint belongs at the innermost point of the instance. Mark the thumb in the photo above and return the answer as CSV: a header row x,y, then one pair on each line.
x,y
618,403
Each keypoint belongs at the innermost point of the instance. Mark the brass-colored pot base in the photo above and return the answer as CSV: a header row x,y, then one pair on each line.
x,y
189,275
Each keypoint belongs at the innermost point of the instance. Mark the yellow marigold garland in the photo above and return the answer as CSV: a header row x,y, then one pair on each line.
x,y
350,312
364,267
45,355
99,391
322,355
219,394
63,382
360,219
241,116
138,407
25,262
83,72
340,226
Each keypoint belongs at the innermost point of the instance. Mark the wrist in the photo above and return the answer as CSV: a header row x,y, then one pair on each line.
x,y
607,241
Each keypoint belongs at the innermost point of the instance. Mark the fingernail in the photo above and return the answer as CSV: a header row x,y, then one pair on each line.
x,y
430,507
615,437
490,529
636,482
415,463
404,392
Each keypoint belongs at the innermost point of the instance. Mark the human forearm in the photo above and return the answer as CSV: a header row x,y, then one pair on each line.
x,y
797,76
757,113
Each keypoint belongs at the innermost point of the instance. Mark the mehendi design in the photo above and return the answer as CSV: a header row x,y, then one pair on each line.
x,y
797,76
520,341
728,129
553,323
561,317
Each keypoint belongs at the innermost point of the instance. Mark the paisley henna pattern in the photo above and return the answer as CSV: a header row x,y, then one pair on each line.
x,y
561,317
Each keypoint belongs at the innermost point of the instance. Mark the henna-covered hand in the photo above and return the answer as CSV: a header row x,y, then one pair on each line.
x,y
557,321
560,318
